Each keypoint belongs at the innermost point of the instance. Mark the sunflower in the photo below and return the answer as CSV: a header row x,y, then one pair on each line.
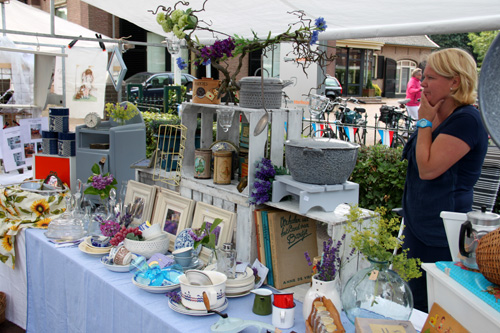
x,y
42,224
14,227
40,207
7,243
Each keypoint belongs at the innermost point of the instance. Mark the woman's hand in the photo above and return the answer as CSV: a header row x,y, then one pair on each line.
x,y
427,110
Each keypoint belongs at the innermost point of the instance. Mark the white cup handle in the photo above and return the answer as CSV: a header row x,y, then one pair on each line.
x,y
212,296
282,316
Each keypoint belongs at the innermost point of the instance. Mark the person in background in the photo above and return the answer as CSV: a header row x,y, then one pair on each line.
x,y
413,92
444,156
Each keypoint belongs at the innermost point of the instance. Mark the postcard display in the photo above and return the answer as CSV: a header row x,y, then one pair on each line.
x,y
20,143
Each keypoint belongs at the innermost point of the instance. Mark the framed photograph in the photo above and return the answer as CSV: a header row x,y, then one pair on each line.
x,y
173,212
204,212
117,68
136,191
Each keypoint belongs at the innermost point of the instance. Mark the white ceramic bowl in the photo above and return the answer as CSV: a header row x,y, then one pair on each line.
x,y
152,232
148,248
192,296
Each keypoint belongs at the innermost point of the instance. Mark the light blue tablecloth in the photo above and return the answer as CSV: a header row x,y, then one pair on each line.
x,y
70,291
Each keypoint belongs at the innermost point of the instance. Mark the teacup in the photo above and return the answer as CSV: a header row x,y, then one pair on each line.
x,y
184,261
152,231
284,300
122,256
283,317
192,296
183,252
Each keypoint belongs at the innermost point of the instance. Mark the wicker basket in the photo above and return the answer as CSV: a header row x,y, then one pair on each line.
x,y
3,306
488,256
148,248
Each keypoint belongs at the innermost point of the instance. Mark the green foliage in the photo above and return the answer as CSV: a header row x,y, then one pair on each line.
x,y
207,239
378,238
460,40
381,175
369,84
481,42
378,91
153,120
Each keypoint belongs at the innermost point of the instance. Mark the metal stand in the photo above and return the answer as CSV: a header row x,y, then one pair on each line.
x,y
328,197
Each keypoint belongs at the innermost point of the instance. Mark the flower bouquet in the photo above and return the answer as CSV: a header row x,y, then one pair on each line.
x,y
101,184
121,112
207,235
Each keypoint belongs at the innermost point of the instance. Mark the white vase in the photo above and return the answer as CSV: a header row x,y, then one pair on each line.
x,y
329,289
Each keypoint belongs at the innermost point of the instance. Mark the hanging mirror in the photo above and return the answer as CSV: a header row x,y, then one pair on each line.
x,y
117,68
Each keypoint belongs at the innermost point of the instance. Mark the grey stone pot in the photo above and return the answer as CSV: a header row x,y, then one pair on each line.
x,y
320,160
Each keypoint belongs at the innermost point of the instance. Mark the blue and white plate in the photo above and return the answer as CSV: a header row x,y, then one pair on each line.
x,y
184,239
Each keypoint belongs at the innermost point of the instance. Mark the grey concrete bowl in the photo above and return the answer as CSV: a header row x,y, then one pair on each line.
x,y
320,160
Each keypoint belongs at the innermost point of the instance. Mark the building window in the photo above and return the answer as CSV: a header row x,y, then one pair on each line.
x,y
375,66
403,74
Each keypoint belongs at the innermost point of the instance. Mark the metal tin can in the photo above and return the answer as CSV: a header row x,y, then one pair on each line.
x,y
59,120
203,163
66,144
222,167
49,142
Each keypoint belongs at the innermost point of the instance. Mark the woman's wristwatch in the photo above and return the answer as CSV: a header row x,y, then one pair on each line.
x,y
422,123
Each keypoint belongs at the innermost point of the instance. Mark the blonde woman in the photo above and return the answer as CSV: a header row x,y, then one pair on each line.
x,y
444,156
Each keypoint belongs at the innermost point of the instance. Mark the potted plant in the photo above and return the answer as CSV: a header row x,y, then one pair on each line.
x,y
379,289
326,280
369,90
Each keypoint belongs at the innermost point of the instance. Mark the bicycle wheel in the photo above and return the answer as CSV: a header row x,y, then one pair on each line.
x,y
309,131
398,141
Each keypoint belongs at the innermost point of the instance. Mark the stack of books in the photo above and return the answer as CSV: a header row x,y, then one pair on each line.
x,y
282,240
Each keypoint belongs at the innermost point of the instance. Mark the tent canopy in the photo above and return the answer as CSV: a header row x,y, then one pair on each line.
x,y
345,19
23,18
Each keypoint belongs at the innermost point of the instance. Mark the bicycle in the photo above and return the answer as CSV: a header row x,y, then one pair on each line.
x,y
392,116
320,109
349,121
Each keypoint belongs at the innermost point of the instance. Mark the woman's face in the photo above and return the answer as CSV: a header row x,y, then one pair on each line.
x,y
436,87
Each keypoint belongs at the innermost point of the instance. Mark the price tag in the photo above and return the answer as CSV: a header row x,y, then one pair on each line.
x,y
306,198
373,275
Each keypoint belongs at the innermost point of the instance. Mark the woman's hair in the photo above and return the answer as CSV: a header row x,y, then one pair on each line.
x,y
416,71
457,62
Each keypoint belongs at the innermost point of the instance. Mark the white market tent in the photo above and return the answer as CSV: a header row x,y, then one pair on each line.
x,y
345,19
29,20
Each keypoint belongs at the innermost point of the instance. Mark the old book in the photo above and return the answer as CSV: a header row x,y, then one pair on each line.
x,y
291,235
439,321
371,325
261,254
267,248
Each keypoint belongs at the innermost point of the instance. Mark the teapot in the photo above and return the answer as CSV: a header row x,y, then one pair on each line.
x,y
478,224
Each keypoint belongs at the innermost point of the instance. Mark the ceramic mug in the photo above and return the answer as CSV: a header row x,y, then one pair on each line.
x,y
283,317
122,256
284,300
262,302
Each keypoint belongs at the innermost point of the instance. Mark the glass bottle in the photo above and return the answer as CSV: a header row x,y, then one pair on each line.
x,y
87,218
226,260
377,292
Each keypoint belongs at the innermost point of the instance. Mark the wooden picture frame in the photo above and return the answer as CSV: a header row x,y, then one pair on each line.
x,y
147,193
204,212
172,211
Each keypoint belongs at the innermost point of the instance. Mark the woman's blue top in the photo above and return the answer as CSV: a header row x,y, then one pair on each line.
x,y
424,200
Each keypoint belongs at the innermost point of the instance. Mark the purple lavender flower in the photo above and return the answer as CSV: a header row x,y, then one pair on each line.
x,y
174,296
308,258
331,260
181,63
100,182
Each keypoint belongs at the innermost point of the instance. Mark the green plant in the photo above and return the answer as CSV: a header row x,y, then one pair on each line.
x,y
377,239
206,235
381,175
378,91
121,112
101,183
153,120
369,84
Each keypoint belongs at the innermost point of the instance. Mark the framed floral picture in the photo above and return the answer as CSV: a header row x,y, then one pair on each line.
x,y
135,192
173,212
204,212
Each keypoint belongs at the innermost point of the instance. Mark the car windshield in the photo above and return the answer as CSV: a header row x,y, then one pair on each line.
x,y
331,82
138,78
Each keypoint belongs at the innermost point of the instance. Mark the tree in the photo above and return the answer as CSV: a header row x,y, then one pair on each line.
x,y
454,40
481,42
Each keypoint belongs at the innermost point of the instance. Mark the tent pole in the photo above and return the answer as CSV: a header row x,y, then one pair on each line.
x,y
52,13
3,18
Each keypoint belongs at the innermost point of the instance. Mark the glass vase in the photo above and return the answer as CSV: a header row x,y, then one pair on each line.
x,y
328,289
377,292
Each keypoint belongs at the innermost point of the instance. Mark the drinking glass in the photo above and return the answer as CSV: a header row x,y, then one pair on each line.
x,y
225,117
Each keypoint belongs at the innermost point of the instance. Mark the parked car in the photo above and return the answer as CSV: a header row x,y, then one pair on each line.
x,y
153,83
333,88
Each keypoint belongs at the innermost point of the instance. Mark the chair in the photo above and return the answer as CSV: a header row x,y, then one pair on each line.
x,y
486,188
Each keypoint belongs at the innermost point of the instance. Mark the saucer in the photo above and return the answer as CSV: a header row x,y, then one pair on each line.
x,y
182,309
92,251
195,264
241,280
113,267
154,289
236,295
